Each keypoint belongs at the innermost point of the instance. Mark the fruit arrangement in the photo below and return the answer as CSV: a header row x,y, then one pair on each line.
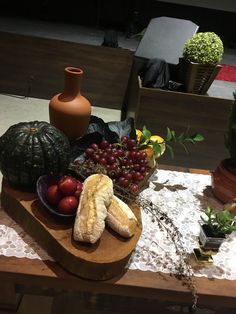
x,y
122,161
29,150
64,195
128,159
153,145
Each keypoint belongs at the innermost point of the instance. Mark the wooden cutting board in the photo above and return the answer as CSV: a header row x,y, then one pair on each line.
x,y
100,261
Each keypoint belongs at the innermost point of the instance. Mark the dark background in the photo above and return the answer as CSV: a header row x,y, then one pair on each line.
x,y
119,14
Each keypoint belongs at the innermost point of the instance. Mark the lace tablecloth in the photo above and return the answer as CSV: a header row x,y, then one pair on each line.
x,y
182,196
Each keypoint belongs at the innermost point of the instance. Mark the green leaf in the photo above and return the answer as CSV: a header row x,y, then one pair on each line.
x,y
170,149
184,147
204,220
223,217
219,222
189,139
146,133
156,147
198,138
173,135
168,135
181,137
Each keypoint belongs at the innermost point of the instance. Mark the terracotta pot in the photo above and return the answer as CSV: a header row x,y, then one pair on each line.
x,y
224,181
69,111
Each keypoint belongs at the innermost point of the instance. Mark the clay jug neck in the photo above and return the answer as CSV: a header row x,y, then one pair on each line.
x,y
73,79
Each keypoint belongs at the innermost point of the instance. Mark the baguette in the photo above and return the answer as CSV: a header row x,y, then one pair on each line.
x,y
121,218
92,210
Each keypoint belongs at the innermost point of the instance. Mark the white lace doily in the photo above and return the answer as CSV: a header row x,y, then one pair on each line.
x,y
15,242
180,195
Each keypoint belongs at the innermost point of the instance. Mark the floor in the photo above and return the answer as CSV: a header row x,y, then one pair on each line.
x,y
15,109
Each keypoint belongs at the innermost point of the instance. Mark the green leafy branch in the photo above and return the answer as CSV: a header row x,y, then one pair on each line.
x,y
181,139
145,140
170,137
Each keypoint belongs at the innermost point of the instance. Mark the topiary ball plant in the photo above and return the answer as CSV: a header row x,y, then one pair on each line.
x,y
204,48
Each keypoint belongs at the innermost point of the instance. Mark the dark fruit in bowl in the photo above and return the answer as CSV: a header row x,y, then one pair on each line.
x,y
53,195
67,185
78,190
49,193
68,205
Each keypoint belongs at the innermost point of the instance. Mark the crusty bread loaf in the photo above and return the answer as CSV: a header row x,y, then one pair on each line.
x,y
121,218
92,210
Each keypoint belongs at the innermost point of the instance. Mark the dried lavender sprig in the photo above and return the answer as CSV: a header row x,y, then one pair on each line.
x,y
184,269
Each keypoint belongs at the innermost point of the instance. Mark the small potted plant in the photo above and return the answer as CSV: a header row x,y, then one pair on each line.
x,y
200,63
224,177
214,228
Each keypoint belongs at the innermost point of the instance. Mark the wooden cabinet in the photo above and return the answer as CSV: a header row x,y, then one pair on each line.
x,y
34,66
157,109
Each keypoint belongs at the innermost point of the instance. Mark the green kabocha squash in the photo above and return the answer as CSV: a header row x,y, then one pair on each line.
x,y
31,149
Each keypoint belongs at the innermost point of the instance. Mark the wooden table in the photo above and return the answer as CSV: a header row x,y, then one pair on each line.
x,y
149,290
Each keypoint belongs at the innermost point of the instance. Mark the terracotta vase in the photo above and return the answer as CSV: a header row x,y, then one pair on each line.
x,y
69,111
224,181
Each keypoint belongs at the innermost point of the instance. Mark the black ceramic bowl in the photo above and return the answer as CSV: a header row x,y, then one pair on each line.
x,y
42,185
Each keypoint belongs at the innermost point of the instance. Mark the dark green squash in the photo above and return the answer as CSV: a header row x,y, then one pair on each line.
x,y
31,149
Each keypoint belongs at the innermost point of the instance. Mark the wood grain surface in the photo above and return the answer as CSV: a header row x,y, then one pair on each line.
x,y
102,260
49,278
158,109
34,66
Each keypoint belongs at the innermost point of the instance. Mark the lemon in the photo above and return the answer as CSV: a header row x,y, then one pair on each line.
x,y
139,135
160,140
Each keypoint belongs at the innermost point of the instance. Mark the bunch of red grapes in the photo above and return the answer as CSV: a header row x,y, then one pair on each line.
x,y
123,161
